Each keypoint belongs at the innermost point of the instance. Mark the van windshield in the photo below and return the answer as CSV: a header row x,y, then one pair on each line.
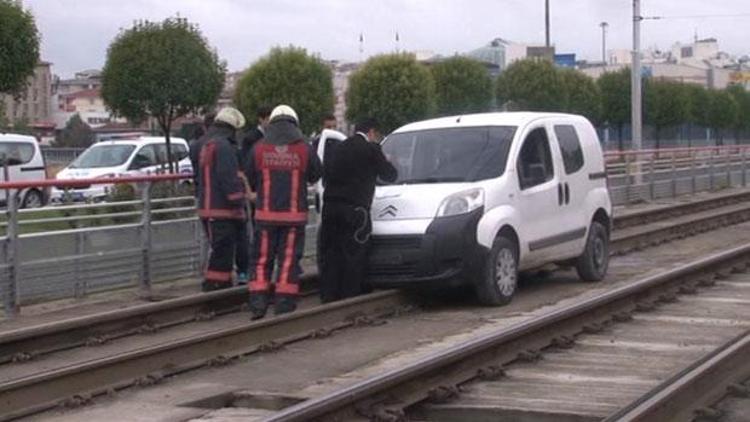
x,y
449,155
103,156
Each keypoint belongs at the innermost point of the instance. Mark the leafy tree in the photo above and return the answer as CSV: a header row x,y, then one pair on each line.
x,y
462,85
22,126
742,97
163,70
76,134
616,108
722,113
392,88
698,100
533,85
666,105
288,76
582,95
19,47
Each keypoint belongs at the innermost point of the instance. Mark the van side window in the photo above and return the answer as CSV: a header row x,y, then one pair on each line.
x,y
16,153
146,157
179,152
535,160
570,147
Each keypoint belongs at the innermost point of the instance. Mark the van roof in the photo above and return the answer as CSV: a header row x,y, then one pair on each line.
x,y
142,140
514,118
13,137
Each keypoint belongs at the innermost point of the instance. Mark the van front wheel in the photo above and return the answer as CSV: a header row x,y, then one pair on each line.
x,y
498,281
593,263
32,199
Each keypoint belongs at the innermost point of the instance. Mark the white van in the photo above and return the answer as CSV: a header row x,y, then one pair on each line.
x,y
129,157
25,163
481,197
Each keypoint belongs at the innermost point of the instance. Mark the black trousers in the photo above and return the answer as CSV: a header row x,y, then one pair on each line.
x,y
344,241
242,257
224,238
273,244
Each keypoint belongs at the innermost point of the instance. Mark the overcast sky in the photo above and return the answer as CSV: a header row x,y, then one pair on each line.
x,y
76,33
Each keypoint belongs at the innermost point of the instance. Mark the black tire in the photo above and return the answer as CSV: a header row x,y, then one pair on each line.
x,y
593,263
32,199
501,262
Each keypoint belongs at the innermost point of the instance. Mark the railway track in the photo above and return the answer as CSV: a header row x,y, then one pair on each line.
x,y
584,362
633,231
714,388
25,393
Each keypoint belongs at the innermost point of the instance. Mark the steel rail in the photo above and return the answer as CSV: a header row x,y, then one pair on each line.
x,y
389,393
43,391
695,388
31,342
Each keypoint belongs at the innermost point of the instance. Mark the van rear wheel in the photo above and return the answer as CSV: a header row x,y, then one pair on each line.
x,y
499,278
593,263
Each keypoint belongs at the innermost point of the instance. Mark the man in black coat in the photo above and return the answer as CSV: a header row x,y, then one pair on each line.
x,y
349,179
254,134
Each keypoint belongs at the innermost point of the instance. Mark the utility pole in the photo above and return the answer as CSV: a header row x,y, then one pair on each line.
x,y
546,22
636,117
604,26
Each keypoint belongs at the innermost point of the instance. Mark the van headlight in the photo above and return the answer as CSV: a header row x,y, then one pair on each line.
x,y
461,203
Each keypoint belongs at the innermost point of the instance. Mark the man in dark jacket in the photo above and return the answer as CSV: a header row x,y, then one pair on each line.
x,y
349,180
281,167
254,134
221,197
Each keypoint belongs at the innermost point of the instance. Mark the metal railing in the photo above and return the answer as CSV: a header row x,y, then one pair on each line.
x,y
61,156
647,175
74,250
70,250
149,236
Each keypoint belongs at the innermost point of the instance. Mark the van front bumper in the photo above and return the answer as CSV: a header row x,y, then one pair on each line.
x,y
447,254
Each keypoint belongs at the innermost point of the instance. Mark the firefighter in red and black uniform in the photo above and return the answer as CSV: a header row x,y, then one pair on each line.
x,y
221,197
281,167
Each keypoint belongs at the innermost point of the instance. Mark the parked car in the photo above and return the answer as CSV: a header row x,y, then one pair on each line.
x,y
25,162
481,197
117,158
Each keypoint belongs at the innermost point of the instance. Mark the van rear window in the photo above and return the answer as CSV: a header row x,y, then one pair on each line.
x,y
450,155
16,153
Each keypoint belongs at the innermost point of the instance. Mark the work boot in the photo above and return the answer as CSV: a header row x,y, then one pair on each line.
x,y
258,304
210,286
284,305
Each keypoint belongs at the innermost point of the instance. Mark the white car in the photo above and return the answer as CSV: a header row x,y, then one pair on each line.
x,y
25,163
109,159
481,197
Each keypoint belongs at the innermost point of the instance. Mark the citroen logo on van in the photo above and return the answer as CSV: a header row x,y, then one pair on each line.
x,y
390,210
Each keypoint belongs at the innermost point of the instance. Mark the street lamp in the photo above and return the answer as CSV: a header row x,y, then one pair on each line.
x,y
604,26
636,116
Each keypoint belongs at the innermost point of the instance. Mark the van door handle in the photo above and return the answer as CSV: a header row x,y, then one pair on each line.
x,y
560,198
567,194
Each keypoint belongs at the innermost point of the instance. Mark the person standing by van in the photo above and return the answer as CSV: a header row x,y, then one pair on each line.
x,y
281,165
221,197
349,179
